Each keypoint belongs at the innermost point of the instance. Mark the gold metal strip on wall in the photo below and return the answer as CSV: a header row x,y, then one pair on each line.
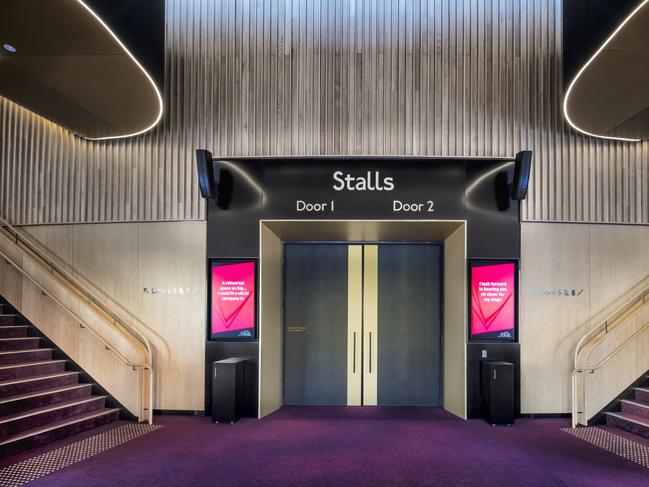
x,y
287,77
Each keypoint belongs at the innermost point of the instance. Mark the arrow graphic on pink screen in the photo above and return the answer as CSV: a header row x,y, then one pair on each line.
x,y
229,319
488,320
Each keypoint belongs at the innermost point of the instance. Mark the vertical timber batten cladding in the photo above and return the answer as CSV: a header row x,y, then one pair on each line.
x,y
297,77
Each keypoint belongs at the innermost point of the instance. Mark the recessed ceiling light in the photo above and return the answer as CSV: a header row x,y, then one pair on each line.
x,y
9,48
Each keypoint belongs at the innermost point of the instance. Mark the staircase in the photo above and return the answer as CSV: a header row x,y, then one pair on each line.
x,y
41,400
633,411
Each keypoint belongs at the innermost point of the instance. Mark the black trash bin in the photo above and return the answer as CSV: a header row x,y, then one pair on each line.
x,y
228,389
497,392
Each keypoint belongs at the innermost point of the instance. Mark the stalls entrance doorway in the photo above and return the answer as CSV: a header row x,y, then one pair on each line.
x,y
362,324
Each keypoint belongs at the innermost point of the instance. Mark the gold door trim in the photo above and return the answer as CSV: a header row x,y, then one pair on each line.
x,y
354,324
370,323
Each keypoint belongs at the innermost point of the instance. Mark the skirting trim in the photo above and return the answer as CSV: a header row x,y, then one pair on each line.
x,y
178,412
546,415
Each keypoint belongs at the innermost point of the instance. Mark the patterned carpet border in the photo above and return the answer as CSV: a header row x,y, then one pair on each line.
x,y
620,446
51,461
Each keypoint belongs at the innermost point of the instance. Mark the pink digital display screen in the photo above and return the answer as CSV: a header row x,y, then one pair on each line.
x,y
233,309
493,301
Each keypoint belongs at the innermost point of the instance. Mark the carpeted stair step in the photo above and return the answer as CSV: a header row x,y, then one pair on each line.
x,y
34,418
40,401
31,400
22,356
8,319
23,385
57,430
18,343
638,425
635,408
31,369
642,394
13,331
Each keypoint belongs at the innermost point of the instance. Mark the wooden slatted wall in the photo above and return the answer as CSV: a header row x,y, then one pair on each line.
x,y
245,77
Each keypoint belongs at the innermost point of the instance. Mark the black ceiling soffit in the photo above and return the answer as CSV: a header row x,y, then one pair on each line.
x,y
94,67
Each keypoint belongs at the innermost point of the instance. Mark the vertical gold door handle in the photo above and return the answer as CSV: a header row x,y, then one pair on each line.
x,y
370,352
354,354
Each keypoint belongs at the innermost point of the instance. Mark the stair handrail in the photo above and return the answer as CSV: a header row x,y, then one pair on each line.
x,y
600,332
610,355
38,248
42,252
26,244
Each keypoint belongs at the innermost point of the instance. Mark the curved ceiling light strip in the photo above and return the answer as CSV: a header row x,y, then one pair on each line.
x,y
583,69
137,63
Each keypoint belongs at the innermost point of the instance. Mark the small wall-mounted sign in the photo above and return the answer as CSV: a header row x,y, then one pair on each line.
x,y
560,292
296,329
170,291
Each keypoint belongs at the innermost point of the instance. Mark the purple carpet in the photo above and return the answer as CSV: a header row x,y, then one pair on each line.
x,y
353,446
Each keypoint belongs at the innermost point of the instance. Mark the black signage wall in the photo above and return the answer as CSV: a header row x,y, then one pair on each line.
x,y
340,188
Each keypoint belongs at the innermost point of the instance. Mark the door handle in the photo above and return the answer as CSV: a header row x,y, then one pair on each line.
x,y
354,356
370,352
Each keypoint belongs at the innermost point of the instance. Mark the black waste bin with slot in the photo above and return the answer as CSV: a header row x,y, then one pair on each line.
x,y
497,392
229,389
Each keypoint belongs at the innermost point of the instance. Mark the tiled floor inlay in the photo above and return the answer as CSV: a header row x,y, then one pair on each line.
x,y
623,447
51,461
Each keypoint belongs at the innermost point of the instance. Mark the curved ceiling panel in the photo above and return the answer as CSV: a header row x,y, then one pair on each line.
x,y
70,68
608,97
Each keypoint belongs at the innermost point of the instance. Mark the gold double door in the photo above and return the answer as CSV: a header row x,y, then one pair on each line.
x,y
362,324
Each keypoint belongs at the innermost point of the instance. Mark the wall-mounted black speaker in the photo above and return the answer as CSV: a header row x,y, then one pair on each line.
x,y
522,170
205,167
